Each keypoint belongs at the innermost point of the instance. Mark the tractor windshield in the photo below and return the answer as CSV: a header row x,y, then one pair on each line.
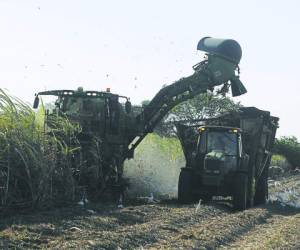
x,y
222,141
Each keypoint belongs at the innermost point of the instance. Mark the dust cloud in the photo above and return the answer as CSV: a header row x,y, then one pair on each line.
x,y
155,168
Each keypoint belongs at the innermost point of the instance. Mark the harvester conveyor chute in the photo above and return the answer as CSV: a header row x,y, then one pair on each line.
x,y
218,69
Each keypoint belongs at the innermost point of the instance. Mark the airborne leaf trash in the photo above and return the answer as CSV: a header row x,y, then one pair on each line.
x,y
198,207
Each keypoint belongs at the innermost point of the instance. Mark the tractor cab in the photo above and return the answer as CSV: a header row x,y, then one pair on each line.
x,y
219,150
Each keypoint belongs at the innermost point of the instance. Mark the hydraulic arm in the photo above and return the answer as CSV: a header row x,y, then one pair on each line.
x,y
220,68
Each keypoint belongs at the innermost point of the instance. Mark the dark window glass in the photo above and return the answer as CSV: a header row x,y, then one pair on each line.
x,y
220,141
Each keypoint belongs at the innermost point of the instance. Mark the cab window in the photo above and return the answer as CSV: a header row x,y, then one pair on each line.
x,y
222,141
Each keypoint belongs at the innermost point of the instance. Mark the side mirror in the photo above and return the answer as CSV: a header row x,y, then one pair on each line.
x,y
36,102
128,107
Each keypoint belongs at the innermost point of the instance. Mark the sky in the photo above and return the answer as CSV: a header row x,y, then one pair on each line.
x,y
136,46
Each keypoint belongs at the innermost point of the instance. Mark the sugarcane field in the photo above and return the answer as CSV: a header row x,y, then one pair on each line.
x,y
149,125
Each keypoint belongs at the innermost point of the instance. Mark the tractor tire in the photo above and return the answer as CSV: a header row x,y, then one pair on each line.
x,y
185,194
261,193
240,192
251,192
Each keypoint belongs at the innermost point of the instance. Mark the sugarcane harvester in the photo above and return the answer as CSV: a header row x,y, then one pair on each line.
x,y
118,130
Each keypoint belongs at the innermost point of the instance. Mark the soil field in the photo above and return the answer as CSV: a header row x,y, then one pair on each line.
x,y
162,225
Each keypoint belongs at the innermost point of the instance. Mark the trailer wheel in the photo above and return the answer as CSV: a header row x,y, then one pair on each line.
x,y
185,187
261,193
240,193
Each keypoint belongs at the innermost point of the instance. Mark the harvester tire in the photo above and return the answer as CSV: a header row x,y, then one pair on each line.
x,y
261,193
240,192
185,187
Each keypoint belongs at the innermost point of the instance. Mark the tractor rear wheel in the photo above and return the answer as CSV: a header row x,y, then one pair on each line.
x,y
240,192
261,193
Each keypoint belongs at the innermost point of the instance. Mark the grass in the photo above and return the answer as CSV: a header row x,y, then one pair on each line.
x,y
280,161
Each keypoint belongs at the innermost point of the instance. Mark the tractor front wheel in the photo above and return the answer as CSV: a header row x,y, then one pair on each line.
x,y
185,187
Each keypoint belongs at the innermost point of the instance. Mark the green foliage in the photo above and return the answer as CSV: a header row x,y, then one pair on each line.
x,y
280,161
201,107
290,148
166,146
29,171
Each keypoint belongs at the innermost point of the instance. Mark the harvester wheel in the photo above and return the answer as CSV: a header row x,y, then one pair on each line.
x,y
185,187
241,191
261,193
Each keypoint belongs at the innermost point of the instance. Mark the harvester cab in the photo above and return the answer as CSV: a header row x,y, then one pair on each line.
x,y
98,113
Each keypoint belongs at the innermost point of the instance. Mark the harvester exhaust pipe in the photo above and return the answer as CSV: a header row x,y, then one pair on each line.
x,y
228,50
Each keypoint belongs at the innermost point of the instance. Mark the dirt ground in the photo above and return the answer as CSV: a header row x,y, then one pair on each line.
x,y
163,225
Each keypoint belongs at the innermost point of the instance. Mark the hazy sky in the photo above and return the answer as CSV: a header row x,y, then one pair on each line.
x,y
136,46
